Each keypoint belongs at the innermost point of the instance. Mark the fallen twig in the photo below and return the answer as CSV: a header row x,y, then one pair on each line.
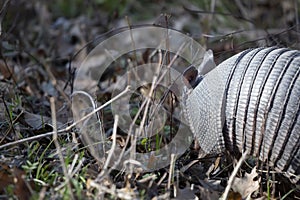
x,y
68,127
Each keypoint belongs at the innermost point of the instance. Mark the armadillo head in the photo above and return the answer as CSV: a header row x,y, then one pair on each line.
x,y
203,105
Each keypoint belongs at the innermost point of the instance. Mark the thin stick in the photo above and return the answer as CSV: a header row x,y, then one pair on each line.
x,y
156,80
99,108
113,146
162,178
171,170
103,173
68,127
232,177
60,155
147,104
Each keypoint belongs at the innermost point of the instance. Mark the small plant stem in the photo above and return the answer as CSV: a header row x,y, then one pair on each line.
x,y
60,155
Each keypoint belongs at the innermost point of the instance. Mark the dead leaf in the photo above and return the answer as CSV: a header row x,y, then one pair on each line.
x,y
39,123
208,194
185,193
234,196
246,185
6,70
21,190
5,179
15,177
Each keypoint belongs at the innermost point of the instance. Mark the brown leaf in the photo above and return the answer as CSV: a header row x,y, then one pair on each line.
x,y
6,70
21,189
15,177
234,196
5,178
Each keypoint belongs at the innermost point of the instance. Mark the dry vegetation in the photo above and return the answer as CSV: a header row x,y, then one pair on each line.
x,y
43,153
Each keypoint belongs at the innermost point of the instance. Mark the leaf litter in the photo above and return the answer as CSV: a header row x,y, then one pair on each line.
x,y
37,62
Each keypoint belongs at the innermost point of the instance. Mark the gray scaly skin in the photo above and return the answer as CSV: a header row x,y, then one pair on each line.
x,y
250,101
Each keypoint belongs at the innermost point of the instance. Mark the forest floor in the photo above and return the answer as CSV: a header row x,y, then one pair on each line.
x,y
47,144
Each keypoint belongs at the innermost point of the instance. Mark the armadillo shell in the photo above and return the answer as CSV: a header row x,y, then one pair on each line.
x,y
251,102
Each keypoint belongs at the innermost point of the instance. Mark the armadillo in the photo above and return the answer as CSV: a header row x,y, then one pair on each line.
x,y
251,101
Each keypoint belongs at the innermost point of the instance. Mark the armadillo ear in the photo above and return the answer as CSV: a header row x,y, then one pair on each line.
x,y
190,76
208,63
193,76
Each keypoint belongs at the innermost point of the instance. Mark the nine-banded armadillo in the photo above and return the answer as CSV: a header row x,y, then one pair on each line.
x,y
250,102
